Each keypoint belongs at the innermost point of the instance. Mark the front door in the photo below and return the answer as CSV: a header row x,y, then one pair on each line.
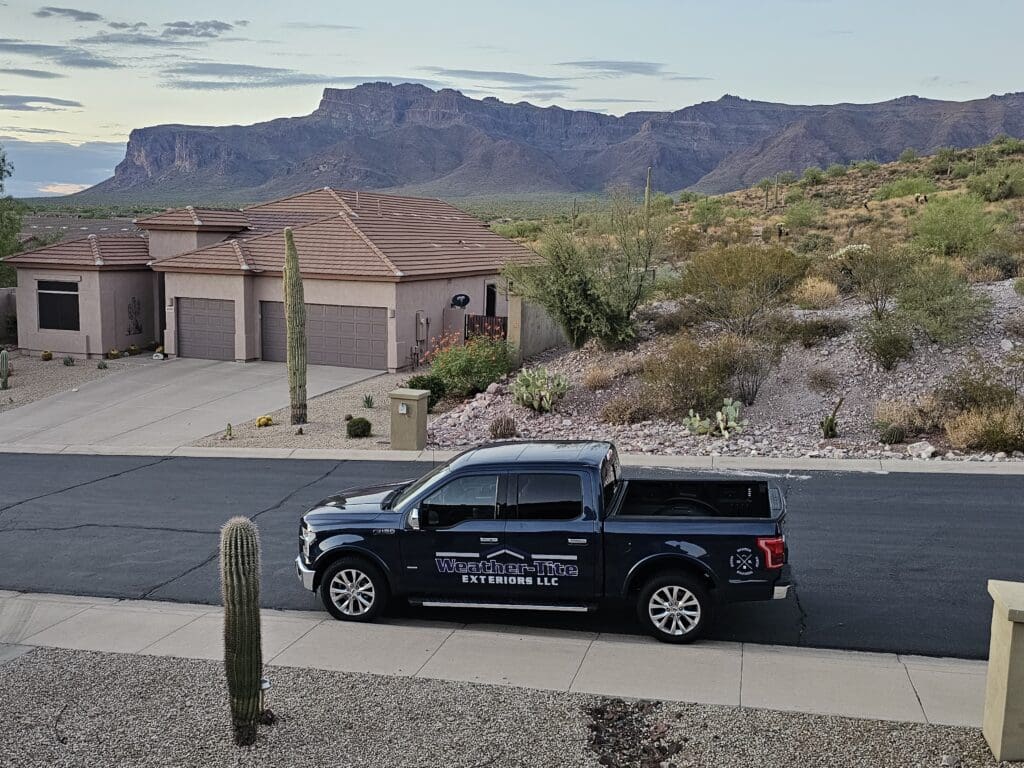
x,y
460,525
551,526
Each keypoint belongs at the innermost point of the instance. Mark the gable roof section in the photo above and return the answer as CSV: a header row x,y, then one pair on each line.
x,y
91,252
196,219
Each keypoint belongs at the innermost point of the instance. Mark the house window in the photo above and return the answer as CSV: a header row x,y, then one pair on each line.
x,y
58,305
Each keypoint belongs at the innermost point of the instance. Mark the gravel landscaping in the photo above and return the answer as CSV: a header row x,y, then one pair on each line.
x,y
783,422
72,708
33,379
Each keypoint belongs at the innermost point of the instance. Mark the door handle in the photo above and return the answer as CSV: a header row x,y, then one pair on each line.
x,y
488,539
578,542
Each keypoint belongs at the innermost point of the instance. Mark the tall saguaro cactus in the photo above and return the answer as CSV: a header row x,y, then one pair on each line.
x,y
295,318
243,652
5,369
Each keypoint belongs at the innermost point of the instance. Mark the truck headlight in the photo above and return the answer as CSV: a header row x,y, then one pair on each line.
x,y
308,539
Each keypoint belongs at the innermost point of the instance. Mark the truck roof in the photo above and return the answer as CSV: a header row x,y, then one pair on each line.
x,y
577,452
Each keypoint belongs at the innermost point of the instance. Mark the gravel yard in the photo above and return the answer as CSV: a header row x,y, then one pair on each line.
x,y
33,379
72,708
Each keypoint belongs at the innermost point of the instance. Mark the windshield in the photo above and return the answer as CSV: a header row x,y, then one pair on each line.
x,y
413,489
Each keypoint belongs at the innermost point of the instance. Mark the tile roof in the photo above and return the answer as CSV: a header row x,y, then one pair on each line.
x,y
93,251
343,233
189,218
48,225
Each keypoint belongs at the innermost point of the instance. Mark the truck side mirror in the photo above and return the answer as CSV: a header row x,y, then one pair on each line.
x,y
414,519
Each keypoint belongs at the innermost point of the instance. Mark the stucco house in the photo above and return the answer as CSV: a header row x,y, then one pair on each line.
x,y
383,275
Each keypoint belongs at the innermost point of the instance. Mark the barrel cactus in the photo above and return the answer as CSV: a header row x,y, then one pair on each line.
x,y
243,653
295,320
5,369
893,434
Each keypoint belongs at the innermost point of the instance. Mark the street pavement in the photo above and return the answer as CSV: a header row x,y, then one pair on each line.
x,y
882,562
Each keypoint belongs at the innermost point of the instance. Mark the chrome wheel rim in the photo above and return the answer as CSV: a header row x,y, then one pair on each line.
x,y
352,592
674,610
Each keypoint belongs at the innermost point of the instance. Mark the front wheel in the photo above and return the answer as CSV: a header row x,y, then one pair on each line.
x,y
675,608
353,590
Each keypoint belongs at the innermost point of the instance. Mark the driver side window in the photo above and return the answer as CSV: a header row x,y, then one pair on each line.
x,y
471,497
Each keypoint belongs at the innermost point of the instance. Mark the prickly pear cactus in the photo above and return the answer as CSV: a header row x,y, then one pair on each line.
x,y
243,652
295,319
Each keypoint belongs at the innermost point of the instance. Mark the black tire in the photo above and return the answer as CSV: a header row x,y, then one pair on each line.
x,y
692,599
357,572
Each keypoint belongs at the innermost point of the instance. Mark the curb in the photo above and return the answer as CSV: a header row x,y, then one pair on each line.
x,y
707,463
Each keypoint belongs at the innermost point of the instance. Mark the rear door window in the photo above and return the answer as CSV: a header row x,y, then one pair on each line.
x,y
550,496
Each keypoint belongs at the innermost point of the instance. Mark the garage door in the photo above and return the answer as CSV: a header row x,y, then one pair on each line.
x,y
206,328
356,337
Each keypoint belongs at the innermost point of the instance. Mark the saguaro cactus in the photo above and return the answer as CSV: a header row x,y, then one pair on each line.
x,y
243,651
295,318
5,369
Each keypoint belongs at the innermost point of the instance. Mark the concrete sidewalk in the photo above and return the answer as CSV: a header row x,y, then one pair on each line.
x,y
868,685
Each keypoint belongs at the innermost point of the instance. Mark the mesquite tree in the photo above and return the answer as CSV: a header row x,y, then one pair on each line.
x,y
243,652
295,318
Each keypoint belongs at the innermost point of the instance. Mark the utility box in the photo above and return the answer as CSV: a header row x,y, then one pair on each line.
x,y
409,419
1003,724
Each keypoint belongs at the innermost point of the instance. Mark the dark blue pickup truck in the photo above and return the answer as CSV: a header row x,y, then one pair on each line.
x,y
548,526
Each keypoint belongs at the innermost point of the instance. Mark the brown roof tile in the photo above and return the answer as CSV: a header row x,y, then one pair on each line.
x,y
189,218
94,251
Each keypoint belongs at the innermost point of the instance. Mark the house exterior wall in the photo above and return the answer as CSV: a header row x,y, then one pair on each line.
x,y
531,330
164,243
433,297
236,288
126,308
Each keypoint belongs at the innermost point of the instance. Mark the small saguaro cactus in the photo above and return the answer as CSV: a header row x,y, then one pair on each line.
x,y
5,369
830,424
295,321
243,652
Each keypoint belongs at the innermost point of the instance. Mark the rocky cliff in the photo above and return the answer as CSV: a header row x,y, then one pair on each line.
x,y
409,138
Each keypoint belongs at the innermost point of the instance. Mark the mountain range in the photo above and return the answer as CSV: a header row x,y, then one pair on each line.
x,y
410,139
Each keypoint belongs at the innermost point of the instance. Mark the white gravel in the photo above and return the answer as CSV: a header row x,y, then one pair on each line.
x,y
33,379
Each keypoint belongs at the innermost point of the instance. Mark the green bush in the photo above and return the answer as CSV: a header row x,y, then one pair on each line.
x,y
469,368
814,242
1018,286
358,427
977,384
794,196
813,176
865,166
786,178
936,299
737,285
888,342
688,376
961,170
988,429
908,155
539,390
942,161
707,213
954,226
999,183
517,230
835,171
911,185
434,384
810,332
876,272
803,214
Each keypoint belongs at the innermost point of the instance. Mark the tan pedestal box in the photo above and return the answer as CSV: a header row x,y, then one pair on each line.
x,y
1003,724
409,419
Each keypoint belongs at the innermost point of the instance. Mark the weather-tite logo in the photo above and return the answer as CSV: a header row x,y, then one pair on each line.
x,y
506,566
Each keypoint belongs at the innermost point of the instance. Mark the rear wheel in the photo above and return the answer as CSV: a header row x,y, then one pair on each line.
x,y
675,607
353,590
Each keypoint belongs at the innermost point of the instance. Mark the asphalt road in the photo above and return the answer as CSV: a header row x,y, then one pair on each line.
x,y
881,562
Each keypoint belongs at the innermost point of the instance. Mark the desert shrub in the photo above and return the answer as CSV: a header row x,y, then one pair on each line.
x,y
835,171
961,170
988,429
999,183
973,272
942,161
822,380
688,376
803,214
940,302
685,316
627,410
689,197
813,176
538,389
999,259
707,213
433,384
954,226
1013,325
909,185
975,385
737,285
756,360
814,242
908,155
810,332
358,427
898,416
794,196
888,342
598,378
1018,286
865,166
893,434
503,428
786,177
682,242
518,230
68,360
815,293
469,368
876,271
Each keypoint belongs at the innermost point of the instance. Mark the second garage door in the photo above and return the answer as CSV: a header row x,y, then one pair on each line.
x,y
356,337
206,328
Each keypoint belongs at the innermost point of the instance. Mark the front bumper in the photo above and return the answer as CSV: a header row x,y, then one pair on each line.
x,y
306,576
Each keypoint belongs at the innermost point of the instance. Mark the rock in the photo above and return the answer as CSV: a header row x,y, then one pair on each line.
x,y
1006,345
495,389
1001,455
948,761
921,450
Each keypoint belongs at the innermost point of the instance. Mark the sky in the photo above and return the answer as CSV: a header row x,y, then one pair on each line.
x,y
76,79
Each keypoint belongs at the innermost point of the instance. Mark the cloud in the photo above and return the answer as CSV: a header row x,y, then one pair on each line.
x,y
35,103
689,78
126,38
492,76
174,33
616,68
61,188
64,55
18,129
943,81
319,25
134,27
69,13
613,101
222,76
37,74
200,29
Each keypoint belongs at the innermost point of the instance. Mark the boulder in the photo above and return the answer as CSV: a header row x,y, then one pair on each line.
x,y
921,450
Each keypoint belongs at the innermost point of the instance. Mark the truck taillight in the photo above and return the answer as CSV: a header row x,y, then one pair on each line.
x,y
774,548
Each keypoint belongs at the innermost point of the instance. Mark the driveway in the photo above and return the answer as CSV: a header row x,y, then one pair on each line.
x,y
164,404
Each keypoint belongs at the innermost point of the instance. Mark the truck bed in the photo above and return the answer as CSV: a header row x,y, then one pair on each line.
x,y
696,499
